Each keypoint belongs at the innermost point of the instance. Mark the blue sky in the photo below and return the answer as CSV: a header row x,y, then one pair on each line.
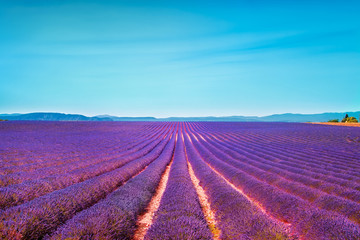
x,y
179,58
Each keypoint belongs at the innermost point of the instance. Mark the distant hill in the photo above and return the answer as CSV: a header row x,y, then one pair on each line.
x,y
286,117
40,116
320,117
114,118
214,119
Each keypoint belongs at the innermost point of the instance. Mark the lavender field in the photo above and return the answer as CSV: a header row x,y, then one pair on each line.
x,y
171,180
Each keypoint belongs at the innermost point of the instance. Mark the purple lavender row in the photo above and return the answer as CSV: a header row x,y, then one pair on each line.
x,y
95,153
41,216
20,177
310,222
319,199
328,202
299,136
309,163
69,138
41,160
321,174
322,137
324,183
19,193
274,163
299,156
293,143
325,175
317,156
60,160
273,134
115,216
327,137
30,142
237,217
179,215
273,159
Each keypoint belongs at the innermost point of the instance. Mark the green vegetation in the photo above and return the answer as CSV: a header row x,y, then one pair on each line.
x,y
352,120
1,120
348,119
334,120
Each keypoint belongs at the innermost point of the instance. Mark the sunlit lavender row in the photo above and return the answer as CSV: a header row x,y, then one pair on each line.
x,y
178,180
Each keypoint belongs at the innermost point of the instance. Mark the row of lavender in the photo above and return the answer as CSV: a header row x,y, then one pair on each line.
x,y
260,179
297,161
49,179
238,217
75,147
74,191
317,179
310,210
31,143
179,215
115,216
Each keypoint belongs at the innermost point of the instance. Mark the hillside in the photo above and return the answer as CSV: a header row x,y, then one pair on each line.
x,y
286,117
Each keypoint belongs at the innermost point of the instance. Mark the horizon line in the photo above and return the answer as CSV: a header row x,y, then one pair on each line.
x,y
127,116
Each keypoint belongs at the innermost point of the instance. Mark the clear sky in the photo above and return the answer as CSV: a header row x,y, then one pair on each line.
x,y
179,58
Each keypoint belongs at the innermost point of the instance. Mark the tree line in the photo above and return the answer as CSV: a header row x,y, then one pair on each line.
x,y
346,119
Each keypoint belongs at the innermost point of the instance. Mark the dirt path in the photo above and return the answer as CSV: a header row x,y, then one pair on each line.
x,y
338,124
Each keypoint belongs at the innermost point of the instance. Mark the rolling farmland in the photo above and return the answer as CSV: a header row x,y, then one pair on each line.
x,y
178,180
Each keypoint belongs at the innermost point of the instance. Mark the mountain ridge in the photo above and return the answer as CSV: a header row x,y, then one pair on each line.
x,y
285,117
